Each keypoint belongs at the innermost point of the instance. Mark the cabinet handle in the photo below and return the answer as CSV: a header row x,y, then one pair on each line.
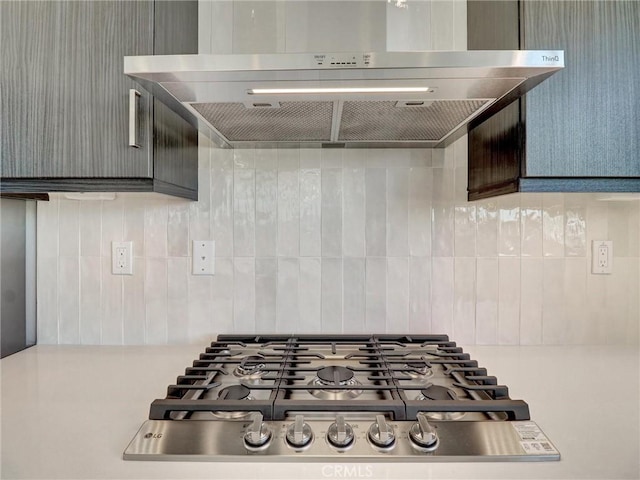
x,y
133,118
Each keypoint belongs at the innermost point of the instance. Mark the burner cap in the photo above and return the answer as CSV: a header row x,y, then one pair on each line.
x,y
331,375
234,392
438,392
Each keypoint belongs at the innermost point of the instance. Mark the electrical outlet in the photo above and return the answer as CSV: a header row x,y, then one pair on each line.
x,y
122,258
602,257
203,257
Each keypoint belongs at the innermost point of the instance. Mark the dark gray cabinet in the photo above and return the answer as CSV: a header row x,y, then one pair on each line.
x,y
580,129
66,102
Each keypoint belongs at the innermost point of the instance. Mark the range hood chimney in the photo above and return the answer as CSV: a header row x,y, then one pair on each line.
x,y
384,99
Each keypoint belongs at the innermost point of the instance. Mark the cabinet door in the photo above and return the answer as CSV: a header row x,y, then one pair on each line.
x,y
585,120
65,99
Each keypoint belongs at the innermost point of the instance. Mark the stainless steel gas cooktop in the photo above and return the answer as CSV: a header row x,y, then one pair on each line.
x,y
328,397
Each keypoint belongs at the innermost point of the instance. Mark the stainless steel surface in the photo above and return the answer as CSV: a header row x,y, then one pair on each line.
x,y
340,434
190,440
133,118
214,92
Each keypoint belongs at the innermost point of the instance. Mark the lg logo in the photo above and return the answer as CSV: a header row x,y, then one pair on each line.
x,y
347,471
153,435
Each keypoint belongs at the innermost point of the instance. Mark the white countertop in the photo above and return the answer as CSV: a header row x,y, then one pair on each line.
x,y
69,412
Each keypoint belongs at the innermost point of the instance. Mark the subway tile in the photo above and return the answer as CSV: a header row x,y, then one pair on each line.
x,y
376,294
354,214
244,291
69,228
47,305
310,158
465,231
419,234
354,158
90,300
112,306
509,226
310,213
464,300
354,288
155,229
69,300
508,301
266,288
419,295
486,228
618,228
531,299
554,325
113,224
331,157
178,229
443,186
531,224
487,301
90,225
266,228
47,227
200,215
202,309
442,230
575,231
134,208
155,293
288,296
553,225
397,212
331,282
575,300
244,159
244,211
421,157
376,212
310,295
442,295
220,214
178,270
288,203
134,304
397,295
459,26
216,315
331,199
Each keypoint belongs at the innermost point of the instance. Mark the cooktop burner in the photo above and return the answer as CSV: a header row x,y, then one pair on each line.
x,y
311,396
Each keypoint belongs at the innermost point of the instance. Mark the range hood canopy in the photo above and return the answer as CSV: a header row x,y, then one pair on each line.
x,y
387,99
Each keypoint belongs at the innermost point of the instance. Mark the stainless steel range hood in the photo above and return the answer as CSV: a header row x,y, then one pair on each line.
x,y
388,99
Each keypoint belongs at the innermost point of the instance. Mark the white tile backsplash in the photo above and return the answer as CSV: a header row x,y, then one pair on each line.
x,y
307,242
338,240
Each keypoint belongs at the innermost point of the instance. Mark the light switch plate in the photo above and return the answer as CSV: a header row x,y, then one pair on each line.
x,y
602,257
203,261
122,258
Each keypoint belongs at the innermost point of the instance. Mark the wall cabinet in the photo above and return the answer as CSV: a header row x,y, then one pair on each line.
x,y
580,129
66,101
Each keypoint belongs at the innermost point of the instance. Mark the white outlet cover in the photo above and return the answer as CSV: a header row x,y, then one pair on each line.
x,y
602,257
203,262
122,258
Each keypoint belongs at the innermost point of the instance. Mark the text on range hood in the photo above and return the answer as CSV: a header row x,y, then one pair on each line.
x,y
387,99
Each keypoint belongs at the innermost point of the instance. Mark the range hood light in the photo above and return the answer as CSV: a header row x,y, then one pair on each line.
x,y
278,91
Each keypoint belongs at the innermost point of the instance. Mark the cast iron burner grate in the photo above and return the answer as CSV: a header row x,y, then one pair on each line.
x,y
390,369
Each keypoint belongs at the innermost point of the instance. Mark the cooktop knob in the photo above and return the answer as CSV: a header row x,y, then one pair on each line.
x,y
423,435
340,433
258,434
299,434
381,433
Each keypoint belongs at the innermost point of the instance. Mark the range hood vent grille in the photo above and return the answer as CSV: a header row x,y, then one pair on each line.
x,y
386,121
292,122
359,99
